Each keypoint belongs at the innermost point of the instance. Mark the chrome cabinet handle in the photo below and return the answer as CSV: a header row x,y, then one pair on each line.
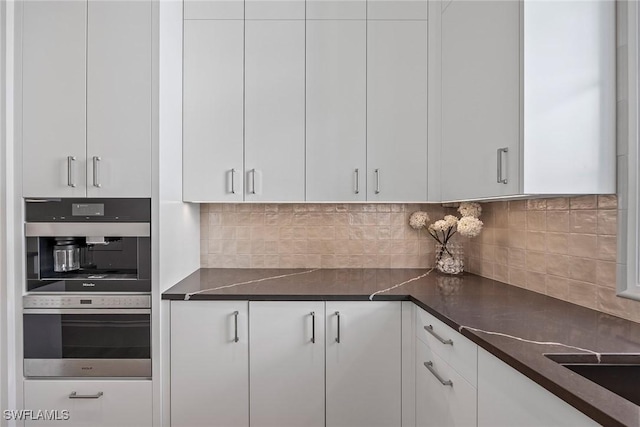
x,y
357,181
313,327
438,337
75,395
377,171
96,172
501,180
429,366
253,181
235,326
233,181
70,160
338,334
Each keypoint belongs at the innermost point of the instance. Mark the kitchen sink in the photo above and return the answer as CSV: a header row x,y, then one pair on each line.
x,y
619,373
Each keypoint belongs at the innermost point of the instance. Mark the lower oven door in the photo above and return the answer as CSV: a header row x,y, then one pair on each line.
x,y
87,342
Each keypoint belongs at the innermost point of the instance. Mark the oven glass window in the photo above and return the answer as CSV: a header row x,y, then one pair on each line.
x,y
87,336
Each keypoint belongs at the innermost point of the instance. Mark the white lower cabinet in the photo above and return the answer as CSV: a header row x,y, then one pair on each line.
x,y
446,374
363,367
89,403
286,363
209,364
443,397
508,398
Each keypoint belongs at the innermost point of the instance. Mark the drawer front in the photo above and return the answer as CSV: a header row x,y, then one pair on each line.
x,y
457,350
451,404
95,403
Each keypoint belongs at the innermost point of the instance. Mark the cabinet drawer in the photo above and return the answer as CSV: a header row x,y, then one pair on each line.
x,y
96,403
457,350
437,404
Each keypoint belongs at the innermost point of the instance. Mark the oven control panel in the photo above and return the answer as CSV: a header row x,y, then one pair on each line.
x,y
86,301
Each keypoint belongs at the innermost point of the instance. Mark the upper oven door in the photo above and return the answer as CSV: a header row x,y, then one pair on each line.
x,y
102,257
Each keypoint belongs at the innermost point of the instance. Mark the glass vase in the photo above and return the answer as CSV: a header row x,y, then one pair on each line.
x,y
450,258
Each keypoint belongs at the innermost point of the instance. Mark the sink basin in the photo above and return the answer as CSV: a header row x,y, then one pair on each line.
x,y
619,373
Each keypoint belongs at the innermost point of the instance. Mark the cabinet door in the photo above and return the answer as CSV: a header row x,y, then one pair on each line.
x,y
363,367
480,98
440,404
397,111
287,364
105,403
274,110
397,9
508,398
209,364
119,99
336,110
213,140
214,9
53,97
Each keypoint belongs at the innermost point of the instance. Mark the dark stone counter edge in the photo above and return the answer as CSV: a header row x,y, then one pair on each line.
x,y
578,403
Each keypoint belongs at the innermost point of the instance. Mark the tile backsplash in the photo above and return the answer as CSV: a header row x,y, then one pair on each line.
x,y
561,247
315,236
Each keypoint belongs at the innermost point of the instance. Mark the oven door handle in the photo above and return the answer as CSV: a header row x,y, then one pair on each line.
x,y
86,311
75,395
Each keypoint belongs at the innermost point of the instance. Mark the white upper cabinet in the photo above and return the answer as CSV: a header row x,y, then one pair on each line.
x,y
213,110
397,9
336,110
397,110
528,98
275,9
119,99
274,135
54,109
336,9
305,101
480,98
86,119
214,9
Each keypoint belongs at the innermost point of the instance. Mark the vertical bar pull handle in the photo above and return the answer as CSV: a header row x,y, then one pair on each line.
x,y
70,174
96,172
338,334
313,327
377,172
357,181
501,180
233,181
235,326
253,181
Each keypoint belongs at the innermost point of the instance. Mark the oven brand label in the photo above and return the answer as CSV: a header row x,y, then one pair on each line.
x,y
88,285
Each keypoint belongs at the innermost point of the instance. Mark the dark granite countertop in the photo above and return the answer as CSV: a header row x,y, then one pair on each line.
x,y
470,301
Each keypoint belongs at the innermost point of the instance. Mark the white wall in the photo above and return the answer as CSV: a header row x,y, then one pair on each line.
x,y
178,223
10,209
3,283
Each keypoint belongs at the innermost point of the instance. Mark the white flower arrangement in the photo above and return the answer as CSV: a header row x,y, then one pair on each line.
x,y
419,219
470,209
469,226
443,230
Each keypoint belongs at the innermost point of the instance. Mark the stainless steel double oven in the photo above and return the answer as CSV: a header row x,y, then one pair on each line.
x,y
87,310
